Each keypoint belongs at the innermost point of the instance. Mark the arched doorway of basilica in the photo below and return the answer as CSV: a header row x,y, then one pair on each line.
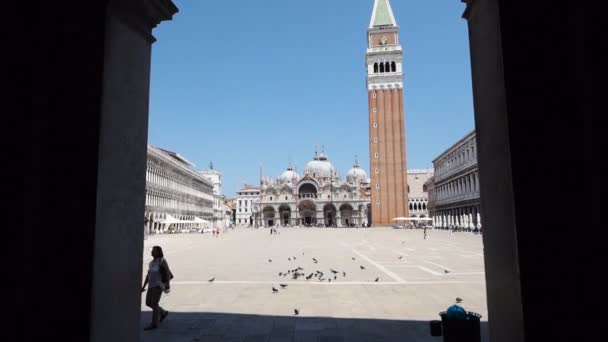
x,y
268,214
285,214
329,215
346,213
308,212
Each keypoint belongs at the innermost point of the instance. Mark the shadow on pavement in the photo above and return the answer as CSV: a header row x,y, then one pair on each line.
x,y
229,327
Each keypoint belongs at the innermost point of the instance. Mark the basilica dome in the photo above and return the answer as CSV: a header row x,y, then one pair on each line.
x,y
356,173
320,167
289,175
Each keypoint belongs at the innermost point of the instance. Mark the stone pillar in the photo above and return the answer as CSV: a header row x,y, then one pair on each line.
x,y
89,98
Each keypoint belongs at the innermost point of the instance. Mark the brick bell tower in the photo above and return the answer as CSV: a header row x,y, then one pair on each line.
x,y
384,62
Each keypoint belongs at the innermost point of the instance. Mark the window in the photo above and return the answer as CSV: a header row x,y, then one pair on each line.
x,y
375,140
286,198
381,67
377,171
375,68
378,202
375,125
376,155
374,109
377,186
374,95
393,67
271,198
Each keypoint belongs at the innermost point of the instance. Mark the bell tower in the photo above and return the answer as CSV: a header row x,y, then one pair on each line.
x,y
384,62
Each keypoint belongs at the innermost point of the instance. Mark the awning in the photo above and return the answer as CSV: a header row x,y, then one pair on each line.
x,y
171,219
412,219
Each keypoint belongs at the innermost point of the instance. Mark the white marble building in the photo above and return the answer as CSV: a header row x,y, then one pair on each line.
x,y
417,197
177,197
454,189
317,198
244,200
219,207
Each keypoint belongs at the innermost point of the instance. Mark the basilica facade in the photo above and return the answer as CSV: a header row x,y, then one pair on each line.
x,y
318,197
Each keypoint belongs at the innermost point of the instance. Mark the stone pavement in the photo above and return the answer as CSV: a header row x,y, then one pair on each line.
x,y
417,279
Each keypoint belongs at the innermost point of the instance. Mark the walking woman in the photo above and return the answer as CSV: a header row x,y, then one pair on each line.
x,y
158,279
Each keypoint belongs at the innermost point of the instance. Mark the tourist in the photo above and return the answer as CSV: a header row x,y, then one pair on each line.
x,y
157,279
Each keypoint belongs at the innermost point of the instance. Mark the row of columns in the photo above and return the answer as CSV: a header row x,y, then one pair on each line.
x,y
464,218
466,184
152,226
319,218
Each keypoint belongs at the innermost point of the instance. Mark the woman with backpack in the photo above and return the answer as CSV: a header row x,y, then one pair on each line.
x,y
158,278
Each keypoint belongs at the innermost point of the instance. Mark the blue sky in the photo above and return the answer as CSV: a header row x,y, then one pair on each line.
x,y
243,83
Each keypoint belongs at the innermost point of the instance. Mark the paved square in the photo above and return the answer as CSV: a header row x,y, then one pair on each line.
x,y
417,279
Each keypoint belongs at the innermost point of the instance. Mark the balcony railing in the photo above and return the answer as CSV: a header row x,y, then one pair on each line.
x,y
458,198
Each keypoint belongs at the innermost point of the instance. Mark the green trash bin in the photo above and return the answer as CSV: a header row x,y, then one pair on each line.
x,y
461,330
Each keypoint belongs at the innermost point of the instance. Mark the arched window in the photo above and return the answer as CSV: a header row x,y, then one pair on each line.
x,y
393,67
375,68
424,206
387,67
411,206
381,67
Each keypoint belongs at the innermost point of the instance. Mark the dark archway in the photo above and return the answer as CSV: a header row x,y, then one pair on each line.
x,y
285,214
346,215
307,190
268,215
307,211
329,215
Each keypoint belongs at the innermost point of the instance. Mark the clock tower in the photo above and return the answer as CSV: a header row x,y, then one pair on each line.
x,y
384,62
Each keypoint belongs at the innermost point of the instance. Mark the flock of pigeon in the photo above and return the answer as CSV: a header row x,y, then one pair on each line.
x,y
298,273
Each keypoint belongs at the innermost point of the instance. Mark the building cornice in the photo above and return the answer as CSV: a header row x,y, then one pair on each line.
x,y
168,159
143,15
455,146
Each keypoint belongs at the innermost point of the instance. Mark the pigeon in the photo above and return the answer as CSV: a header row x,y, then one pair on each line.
x,y
269,260
280,274
289,271
283,285
344,274
296,312
329,280
274,290
401,257
446,271
353,258
335,277
458,300
294,258
333,271
289,259
377,279
211,280
362,267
